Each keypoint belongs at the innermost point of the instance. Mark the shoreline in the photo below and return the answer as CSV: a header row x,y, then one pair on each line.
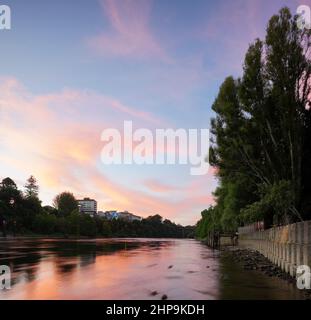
x,y
71,237
253,260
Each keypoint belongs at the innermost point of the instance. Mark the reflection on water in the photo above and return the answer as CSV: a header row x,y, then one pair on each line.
x,y
128,269
252,284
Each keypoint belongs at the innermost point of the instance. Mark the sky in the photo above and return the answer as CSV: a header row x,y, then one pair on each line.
x,y
71,69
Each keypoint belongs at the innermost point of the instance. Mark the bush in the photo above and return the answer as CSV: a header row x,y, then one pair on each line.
x,y
45,224
87,226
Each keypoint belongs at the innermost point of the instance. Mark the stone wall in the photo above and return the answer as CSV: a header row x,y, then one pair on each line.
x,y
288,246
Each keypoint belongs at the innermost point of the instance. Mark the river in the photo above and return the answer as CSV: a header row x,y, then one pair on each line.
x,y
130,269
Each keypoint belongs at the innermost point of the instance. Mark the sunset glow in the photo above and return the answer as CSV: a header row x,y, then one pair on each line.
x,y
66,76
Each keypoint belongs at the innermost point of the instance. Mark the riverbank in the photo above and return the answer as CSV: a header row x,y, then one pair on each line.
x,y
73,237
254,260
48,236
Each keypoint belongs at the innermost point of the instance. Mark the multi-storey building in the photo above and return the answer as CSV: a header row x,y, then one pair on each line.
x,y
88,206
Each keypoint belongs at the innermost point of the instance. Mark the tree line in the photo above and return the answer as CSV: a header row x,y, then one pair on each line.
x,y
21,213
261,134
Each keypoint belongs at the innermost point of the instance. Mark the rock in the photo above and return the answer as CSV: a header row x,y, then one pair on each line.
x,y
154,293
170,267
254,260
164,297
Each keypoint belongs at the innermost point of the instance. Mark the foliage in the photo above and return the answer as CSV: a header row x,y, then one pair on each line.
x,y
261,133
26,215
65,203
45,224
209,222
31,187
277,198
8,183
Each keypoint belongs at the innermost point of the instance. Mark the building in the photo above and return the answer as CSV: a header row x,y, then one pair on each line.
x,y
136,218
101,214
109,215
124,215
88,206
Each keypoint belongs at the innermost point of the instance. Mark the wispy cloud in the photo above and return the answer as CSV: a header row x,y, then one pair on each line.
x,y
158,186
129,32
48,136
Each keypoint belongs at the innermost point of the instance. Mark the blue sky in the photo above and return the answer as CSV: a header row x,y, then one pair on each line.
x,y
70,69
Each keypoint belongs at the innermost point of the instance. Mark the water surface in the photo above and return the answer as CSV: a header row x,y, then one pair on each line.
x,y
130,269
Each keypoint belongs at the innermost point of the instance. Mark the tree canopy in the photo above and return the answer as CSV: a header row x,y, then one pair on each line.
x,y
261,132
31,187
65,203
22,213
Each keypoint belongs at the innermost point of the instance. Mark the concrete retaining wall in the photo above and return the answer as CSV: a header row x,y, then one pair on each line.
x,y
288,246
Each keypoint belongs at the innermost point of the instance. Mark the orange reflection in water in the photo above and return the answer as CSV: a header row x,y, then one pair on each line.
x,y
112,269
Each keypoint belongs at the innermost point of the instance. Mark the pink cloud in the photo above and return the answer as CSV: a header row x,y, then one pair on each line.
x,y
41,135
157,186
246,22
130,33
186,210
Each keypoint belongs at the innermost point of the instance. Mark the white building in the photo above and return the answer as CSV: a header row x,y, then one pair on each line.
x,y
114,214
125,215
88,206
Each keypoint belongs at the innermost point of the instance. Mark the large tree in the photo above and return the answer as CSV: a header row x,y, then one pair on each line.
x,y
8,183
17,211
65,203
31,187
262,130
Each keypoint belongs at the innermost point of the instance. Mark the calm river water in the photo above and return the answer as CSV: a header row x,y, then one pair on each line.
x,y
130,269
